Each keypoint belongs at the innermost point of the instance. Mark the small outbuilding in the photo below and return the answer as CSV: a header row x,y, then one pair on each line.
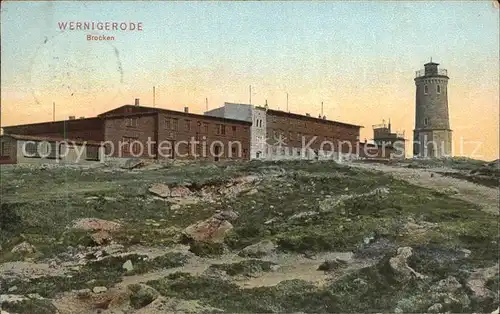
x,y
30,149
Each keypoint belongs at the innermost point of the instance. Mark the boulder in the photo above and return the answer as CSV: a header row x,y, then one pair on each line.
x,y
99,289
449,190
399,265
476,283
180,192
101,237
449,284
175,207
95,224
332,265
252,192
23,248
257,250
142,295
132,163
160,189
128,266
83,293
228,215
435,308
211,230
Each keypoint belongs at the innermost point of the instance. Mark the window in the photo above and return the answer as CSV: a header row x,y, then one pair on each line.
x,y
171,124
129,145
426,90
132,122
438,89
290,135
233,151
220,129
426,121
188,125
234,129
92,153
205,127
31,149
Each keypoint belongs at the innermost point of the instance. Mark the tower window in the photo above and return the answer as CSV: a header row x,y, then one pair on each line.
x,y
438,89
426,121
426,90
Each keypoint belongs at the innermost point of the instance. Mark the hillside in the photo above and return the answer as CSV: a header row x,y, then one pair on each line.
x,y
247,237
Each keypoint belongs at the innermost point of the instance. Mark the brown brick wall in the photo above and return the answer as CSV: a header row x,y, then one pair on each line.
x,y
171,129
205,130
294,128
142,129
90,129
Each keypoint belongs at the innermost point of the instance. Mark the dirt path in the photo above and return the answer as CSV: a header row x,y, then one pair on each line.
x,y
483,196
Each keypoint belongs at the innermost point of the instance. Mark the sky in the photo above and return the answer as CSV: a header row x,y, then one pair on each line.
x,y
358,58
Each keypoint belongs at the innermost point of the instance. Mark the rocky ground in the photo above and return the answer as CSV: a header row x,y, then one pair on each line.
x,y
248,237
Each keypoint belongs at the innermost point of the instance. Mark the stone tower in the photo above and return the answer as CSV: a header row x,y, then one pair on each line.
x,y
432,134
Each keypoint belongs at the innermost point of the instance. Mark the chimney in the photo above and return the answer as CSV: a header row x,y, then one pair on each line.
x,y
82,117
308,115
71,117
137,101
324,117
186,109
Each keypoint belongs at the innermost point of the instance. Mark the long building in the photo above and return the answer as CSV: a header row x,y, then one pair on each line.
x,y
233,131
142,132
278,134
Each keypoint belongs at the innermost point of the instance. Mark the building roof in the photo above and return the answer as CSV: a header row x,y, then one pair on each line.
x,y
143,110
304,117
49,139
51,122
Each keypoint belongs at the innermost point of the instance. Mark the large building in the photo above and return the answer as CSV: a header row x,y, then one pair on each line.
x,y
142,132
234,131
432,133
278,134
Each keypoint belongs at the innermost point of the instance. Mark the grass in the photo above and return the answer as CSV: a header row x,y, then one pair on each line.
x,y
486,177
303,187
244,268
39,306
105,272
39,205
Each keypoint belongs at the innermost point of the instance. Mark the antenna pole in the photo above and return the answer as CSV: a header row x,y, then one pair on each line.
x,y
250,92
287,102
54,111
154,96
321,108
206,104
